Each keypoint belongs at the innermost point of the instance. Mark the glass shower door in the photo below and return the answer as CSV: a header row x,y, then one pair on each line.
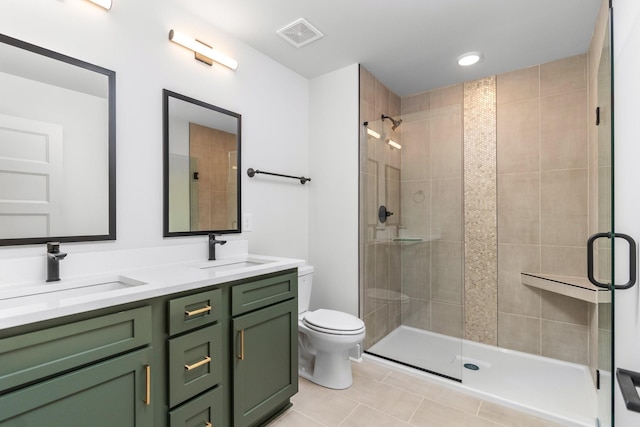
x,y
412,257
603,252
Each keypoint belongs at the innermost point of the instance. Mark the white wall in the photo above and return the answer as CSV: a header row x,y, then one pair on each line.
x,y
333,207
627,191
132,39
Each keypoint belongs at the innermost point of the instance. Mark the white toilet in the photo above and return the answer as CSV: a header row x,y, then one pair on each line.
x,y
324,339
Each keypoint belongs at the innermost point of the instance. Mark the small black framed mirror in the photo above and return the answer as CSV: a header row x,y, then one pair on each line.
x,y
201,167
57,147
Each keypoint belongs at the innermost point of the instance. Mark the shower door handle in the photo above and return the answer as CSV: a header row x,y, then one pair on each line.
x,y
632,260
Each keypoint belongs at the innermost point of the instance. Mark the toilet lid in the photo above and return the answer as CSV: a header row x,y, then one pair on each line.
x,y
332,321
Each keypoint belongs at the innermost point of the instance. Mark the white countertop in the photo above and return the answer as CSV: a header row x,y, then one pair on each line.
x,y
33,302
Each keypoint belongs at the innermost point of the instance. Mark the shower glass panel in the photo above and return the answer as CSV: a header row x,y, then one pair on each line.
x,y
412,263
602,169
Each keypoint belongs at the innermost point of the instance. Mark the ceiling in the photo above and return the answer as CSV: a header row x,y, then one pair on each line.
x,y
410,45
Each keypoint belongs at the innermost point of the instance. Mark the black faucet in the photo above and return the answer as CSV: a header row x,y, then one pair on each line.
x,y
53,261
212,245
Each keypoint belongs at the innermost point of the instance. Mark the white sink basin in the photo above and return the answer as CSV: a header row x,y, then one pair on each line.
x,y
234,266
27,299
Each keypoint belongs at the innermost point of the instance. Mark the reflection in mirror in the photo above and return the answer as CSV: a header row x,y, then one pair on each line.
x,y
57,147
201,167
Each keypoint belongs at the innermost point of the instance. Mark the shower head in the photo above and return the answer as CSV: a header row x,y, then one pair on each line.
x,y
395,122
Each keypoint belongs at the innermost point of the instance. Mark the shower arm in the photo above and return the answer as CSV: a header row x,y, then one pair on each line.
x,y
395,123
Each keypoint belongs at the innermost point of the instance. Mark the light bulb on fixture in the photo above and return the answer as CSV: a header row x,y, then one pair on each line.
x,y
394,144
370,131
204,52
373,133
103,3
469,58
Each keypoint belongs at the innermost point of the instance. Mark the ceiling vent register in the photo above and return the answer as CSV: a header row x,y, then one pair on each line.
x,y
300,33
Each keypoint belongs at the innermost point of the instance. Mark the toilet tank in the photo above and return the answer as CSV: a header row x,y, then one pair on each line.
x,y
305,277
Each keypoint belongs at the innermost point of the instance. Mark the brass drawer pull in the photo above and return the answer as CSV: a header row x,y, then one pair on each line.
x,y
241,355
147,397
198,364
205,309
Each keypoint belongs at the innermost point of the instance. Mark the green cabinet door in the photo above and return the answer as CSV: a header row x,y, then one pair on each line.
x,y
265,363
107,394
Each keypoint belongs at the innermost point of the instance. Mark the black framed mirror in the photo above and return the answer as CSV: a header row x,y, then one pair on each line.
x,y
201,167
57,147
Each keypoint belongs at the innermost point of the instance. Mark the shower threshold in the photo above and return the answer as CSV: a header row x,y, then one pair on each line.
x,y
556,390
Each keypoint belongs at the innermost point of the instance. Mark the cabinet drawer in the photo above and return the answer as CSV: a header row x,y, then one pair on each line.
x,y
194,363
261,293
205,410
42,353
193,311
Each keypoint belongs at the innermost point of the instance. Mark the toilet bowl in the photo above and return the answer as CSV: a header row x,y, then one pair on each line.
x,y
324,339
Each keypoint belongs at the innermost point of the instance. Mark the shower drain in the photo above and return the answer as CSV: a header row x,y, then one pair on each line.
x,y
471,366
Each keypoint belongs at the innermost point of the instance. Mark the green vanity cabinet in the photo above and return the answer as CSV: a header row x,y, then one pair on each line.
x,y
168,361
94,371
265,361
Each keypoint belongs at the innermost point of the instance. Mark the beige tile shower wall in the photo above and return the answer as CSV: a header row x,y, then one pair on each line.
x,y
380,277
542,145
480,216
210,149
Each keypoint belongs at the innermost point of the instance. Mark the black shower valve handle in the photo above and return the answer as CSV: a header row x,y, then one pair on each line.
x,y
383,213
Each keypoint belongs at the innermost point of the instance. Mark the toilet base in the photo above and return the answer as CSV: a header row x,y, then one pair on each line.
x,y
331,370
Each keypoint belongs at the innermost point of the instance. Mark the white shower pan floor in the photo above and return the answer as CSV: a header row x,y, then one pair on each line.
x,y
550,388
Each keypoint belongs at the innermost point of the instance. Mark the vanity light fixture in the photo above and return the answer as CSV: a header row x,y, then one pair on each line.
x,y
103,3
469,58
203,52
394,144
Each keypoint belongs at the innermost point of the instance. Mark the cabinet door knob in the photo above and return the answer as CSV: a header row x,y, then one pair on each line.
x,y
208,424
198,364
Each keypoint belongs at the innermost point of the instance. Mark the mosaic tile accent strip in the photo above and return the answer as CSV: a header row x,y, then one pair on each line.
x,y
480,212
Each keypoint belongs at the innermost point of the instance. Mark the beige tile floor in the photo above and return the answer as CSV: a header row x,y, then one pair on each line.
x,y
381,396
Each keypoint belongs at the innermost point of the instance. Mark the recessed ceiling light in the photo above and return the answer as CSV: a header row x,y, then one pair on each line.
x,y
469,58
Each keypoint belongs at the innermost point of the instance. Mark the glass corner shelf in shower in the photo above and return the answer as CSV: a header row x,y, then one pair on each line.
x,y
574,287
407,240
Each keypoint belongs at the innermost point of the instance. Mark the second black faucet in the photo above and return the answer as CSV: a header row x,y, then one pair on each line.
x,y
212,245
